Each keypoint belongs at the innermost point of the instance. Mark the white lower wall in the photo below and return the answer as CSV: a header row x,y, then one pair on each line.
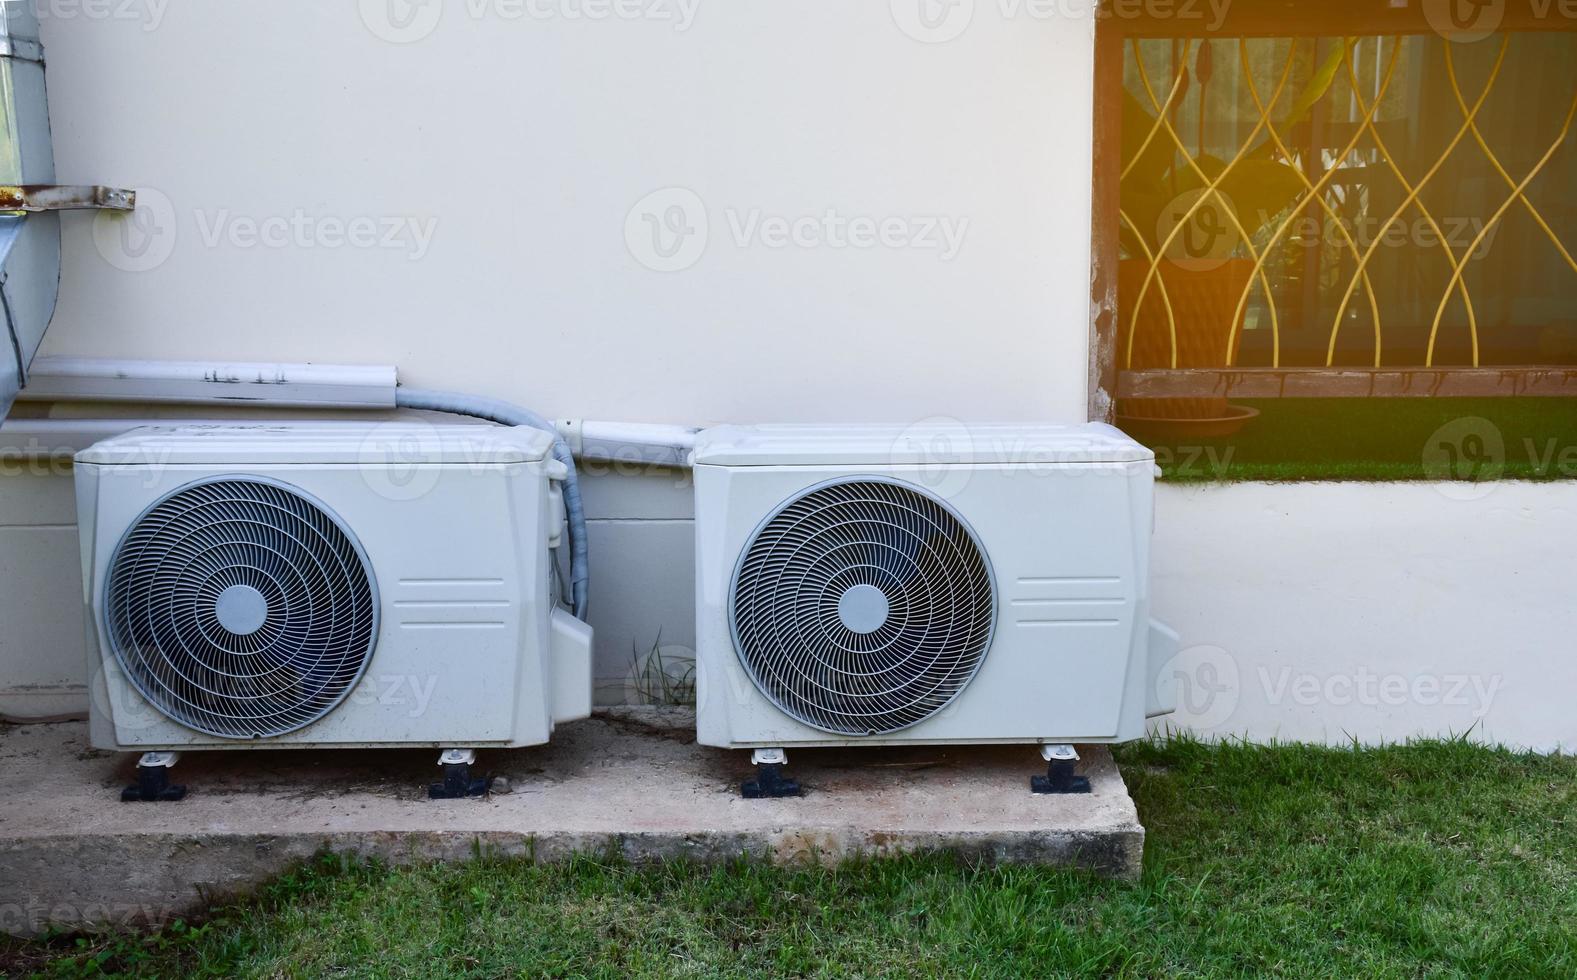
x,y
1326,612
42,660
1314,612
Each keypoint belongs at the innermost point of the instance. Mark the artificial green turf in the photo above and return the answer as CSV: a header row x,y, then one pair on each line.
x,y
1386,439
1438,859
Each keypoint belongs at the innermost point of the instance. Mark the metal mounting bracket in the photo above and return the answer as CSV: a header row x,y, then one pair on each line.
x,y
65,197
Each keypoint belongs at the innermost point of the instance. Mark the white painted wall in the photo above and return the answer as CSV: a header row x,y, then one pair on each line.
x,y
1329,611
521,145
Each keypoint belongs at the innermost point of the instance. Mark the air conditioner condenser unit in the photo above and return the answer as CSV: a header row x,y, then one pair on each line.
x,y
937,584
326,585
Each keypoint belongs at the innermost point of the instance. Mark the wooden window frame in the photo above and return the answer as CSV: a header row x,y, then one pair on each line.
x,y
1265,18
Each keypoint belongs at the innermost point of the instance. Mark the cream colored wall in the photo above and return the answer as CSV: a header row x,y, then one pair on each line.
x,y
509,157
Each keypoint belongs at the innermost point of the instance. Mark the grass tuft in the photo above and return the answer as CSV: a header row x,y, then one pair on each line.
x,y
662,678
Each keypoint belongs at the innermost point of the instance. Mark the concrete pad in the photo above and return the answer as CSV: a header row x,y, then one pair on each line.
x,y
630,782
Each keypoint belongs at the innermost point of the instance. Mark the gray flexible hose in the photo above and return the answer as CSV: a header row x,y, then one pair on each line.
x,y
455,403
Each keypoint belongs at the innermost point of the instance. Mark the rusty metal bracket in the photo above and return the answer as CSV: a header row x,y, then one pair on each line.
x,y
65,197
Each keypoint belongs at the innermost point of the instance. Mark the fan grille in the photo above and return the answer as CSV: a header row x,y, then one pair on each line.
x,y
863,607
241,608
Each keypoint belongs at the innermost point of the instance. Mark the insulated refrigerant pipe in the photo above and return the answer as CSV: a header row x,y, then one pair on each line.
x,y
321,386
456,403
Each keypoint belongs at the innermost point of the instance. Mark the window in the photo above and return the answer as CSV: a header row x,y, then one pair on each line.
x,y
1325,238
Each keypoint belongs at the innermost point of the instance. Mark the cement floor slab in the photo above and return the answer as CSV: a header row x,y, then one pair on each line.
x,y
629,783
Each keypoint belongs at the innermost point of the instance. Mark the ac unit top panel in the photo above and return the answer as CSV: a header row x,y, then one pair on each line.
x,y
322,443
936,443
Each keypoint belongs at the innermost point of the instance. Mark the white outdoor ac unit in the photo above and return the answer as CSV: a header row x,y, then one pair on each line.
x,y
933,584
327,585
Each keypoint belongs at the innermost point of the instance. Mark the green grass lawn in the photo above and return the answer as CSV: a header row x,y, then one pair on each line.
x,y
1387,439
1437,860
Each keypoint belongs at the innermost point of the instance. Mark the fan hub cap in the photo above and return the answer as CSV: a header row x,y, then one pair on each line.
x,y
241,610
864,609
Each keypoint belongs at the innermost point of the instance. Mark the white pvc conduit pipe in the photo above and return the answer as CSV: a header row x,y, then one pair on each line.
x,y
66,379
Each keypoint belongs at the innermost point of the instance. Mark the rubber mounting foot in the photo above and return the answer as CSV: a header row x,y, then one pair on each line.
x,y
1059,780
458,784
770,784
153,786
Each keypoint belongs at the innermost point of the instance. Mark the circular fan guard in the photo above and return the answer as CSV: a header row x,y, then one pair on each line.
x,y
241,608
863,607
